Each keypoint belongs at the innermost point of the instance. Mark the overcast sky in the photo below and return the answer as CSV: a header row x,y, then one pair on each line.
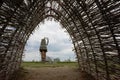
x,y
60,45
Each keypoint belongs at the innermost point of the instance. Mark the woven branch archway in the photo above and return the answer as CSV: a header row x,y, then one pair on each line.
x,y
94,27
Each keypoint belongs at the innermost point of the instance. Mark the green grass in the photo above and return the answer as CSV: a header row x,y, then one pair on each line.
x,y
40,64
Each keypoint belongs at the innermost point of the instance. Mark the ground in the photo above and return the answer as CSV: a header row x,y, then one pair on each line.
x,y
61,71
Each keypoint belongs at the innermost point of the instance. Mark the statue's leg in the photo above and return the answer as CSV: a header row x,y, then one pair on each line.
x,y
43,56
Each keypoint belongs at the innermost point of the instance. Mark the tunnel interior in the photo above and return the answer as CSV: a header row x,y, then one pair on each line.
x,y
93,25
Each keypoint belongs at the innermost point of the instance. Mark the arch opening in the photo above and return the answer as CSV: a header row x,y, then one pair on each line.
x,y
60,45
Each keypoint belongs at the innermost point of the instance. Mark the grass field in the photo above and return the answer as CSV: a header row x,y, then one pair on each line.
x,y
40,64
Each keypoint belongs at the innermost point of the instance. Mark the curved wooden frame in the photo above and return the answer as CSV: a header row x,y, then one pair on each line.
x,y
93,25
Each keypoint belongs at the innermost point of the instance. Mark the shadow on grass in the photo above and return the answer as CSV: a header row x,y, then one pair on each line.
x,y
22,72
19,74
87,76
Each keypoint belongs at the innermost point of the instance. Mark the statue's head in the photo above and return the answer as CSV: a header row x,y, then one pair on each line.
x,y
45,41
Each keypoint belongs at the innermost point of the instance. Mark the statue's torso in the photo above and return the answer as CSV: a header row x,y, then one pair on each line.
x,y
43,45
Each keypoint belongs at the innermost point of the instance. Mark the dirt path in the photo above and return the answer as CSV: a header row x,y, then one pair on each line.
x,y
57,73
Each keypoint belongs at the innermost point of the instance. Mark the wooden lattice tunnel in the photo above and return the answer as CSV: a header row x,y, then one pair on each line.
x,y
94,27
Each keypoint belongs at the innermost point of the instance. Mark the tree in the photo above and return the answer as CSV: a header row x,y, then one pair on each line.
x,y
56,60
48,59
68,60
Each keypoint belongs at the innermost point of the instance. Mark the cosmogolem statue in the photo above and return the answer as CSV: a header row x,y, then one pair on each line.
x,y
43,48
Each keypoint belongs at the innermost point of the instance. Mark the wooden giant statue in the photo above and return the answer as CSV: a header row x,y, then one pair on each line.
x,y
43,48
